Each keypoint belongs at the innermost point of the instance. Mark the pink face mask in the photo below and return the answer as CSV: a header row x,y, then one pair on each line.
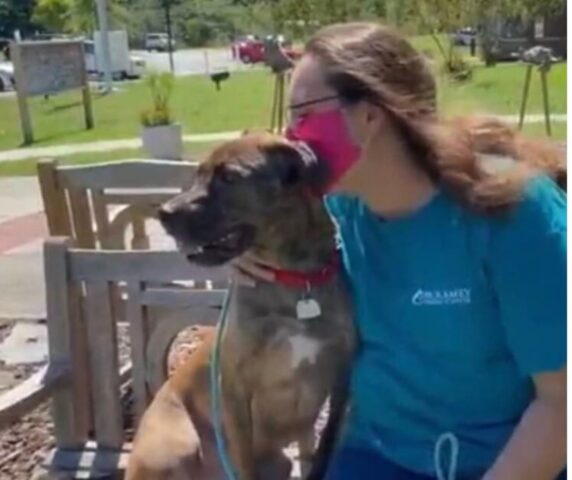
x,y
327,135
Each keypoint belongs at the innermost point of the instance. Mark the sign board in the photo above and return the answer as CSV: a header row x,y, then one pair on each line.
x,y
46,68
51,67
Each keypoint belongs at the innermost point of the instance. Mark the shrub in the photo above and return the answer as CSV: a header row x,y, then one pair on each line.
x,y
161,87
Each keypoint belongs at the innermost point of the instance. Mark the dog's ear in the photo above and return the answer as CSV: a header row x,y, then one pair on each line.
x,y
295,163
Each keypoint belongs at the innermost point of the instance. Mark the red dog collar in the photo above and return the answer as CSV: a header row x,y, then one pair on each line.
x,y
297,279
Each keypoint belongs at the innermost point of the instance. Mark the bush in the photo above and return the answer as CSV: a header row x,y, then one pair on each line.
x,y
196,33
457,68
161,87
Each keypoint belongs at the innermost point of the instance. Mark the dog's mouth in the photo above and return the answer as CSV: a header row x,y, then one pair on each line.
x,y
228,245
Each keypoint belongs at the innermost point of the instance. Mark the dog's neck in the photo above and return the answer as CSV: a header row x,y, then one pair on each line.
x,y
299,237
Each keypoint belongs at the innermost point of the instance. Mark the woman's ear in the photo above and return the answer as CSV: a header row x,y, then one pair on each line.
x,y
295,163
376,117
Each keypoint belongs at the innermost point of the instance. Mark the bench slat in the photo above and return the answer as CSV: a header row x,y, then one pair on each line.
x,y
104,363
141,266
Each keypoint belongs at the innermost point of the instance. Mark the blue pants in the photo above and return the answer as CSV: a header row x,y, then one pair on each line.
x,y
361,464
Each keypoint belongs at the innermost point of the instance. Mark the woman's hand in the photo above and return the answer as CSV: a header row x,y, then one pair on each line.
x,y
248,268
537,448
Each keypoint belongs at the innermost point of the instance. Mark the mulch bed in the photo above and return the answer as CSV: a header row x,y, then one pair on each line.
x,y
25,444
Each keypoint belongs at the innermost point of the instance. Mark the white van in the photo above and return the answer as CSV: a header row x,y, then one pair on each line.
x,y
158,41
123,64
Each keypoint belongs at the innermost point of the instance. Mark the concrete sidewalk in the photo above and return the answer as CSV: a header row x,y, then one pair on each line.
x,y
22,232
103,146
22,229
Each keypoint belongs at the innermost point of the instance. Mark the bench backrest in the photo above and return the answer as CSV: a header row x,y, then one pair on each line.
x,y
82,333
97,204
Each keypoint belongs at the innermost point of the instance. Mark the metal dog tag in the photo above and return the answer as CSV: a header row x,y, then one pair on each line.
x,y
308,308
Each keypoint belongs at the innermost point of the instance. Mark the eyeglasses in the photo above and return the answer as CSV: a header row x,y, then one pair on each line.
x,y
296,106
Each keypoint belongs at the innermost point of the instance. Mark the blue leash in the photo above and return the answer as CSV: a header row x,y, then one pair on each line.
x,y
215,391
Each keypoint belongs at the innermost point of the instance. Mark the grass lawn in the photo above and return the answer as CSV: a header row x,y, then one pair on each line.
x,y
245,101
499,90
28,167
538,130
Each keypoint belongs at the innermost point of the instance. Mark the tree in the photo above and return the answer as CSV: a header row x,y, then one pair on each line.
x,y
16,15
444,16
517,8
83,15
53,15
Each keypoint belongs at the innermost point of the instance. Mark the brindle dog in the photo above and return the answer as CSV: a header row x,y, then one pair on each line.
x,y
256,194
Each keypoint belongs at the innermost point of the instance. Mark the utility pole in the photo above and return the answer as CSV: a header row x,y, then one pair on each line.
x,y
105,51
167,7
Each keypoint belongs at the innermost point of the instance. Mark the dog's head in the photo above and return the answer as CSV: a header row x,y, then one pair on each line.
x,y
256,192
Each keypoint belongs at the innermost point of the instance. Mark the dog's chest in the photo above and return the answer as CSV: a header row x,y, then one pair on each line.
x,y
302,348
273,346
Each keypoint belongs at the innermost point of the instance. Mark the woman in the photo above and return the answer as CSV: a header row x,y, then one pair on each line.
x,y
455,249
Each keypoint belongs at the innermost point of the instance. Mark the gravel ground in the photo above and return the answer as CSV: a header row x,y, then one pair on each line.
x,y
25,444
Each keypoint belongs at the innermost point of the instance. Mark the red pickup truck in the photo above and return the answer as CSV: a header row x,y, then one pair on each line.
x,y
250,49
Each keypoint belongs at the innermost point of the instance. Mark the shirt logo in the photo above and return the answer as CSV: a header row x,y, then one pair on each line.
x,y
458,296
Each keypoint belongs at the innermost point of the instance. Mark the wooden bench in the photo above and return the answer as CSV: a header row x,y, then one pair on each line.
x,y
99,205
95,205
83,376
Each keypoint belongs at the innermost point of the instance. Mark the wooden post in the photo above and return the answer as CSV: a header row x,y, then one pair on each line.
x,y
87,107
86,97
71,404
544,83
280,101
277,104
525,96
207,66
25,120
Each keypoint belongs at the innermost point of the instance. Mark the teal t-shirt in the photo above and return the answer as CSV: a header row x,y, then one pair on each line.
x,y
454,312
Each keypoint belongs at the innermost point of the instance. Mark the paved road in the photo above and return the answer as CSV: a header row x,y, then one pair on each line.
x,y
193,61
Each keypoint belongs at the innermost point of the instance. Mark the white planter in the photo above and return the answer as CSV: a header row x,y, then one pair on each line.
x,y
164,142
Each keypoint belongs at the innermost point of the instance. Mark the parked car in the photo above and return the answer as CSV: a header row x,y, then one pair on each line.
x,y
505,39
158,41
7,81
464,36
250,48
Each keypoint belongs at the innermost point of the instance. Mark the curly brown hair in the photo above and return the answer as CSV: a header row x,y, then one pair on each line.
x,y
374,63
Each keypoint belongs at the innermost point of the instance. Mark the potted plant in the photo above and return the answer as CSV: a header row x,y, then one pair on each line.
x,y
162,137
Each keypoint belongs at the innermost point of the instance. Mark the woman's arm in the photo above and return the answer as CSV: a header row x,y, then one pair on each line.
x,y
537,448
